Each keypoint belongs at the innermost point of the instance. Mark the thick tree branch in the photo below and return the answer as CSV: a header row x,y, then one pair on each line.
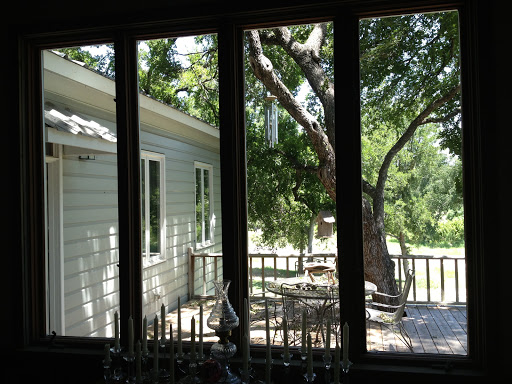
x,y
263,70
442,119
307,57
378,201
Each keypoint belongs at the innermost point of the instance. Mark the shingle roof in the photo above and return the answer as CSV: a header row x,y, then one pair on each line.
x,y
66,120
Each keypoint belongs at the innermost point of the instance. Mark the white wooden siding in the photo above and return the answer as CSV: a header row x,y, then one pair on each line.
x,y
89,222
90,230
90,233
165,281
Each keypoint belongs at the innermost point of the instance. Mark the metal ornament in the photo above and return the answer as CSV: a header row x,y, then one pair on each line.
x,y
271,116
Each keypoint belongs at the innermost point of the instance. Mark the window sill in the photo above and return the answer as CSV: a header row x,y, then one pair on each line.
x,y
153,261
202,247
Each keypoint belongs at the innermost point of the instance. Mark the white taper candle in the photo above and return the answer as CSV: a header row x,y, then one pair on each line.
x,y
345,344
116,332
130,337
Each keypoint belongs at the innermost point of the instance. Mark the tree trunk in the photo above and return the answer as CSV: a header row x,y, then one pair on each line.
x,y
378,266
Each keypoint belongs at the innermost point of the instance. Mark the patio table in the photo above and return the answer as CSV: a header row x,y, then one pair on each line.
x,y
318,296
301,287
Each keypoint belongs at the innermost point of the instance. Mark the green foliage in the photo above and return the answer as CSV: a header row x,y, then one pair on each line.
x,y
187,81
406,63
272,206
102,62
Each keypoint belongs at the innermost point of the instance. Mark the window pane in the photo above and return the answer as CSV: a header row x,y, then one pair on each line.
x,y
81,185
154,205
206,205
179,120
291,183
413,204
199,206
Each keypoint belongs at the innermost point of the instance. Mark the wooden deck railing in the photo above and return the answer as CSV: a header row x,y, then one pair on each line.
x,y
439,279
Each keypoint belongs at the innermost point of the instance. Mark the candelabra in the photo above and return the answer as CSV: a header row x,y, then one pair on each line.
x,y
223,320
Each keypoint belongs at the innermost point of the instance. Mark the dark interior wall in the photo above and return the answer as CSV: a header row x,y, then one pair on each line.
x,y
495,93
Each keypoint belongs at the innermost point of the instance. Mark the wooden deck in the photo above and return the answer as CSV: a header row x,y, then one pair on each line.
x,y
433,329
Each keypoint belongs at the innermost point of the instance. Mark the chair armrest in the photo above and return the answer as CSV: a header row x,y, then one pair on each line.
x,y
385,305
386,295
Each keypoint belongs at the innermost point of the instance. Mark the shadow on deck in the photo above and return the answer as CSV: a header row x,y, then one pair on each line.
x,y
434,329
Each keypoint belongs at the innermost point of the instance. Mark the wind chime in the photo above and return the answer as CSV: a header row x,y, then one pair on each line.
x,y
271,120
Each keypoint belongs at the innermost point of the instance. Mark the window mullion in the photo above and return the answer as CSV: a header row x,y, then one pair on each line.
x,y
233,175
130,262
348,151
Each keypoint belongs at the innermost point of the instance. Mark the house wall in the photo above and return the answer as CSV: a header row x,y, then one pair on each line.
x,y
90,233
86,260
90,245
164,282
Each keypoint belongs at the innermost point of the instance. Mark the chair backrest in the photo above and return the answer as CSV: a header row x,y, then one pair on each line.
x,y
397,315
407,286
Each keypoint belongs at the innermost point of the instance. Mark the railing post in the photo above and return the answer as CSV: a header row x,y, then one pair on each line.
x,y
191,268
414,280
400,274
456,280
204,275
442,280
427,261
263,275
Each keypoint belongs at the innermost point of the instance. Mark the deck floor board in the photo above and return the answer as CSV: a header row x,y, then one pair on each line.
x,y
433,329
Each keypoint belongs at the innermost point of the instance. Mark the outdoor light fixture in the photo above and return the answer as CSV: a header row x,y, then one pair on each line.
x,y
271,120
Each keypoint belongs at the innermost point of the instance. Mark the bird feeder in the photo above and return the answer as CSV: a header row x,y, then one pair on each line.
x,y
271,115
325,221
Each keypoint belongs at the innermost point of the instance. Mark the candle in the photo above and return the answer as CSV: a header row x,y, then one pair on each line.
x,y
245,353
285,332
303,346
145,336
171,353
138,370
155,347
116,332
107,359
337,364
180,348
130,336
310,357
192,339
328,338
345,345
201,331
267,327
162,317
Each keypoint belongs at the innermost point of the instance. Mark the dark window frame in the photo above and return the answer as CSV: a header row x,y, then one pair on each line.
x,y
233,167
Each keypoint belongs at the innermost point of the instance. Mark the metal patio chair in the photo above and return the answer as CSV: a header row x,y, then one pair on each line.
x,y
391,316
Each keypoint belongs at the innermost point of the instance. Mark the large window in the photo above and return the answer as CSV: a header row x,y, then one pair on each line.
x,y
82,225
118,202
